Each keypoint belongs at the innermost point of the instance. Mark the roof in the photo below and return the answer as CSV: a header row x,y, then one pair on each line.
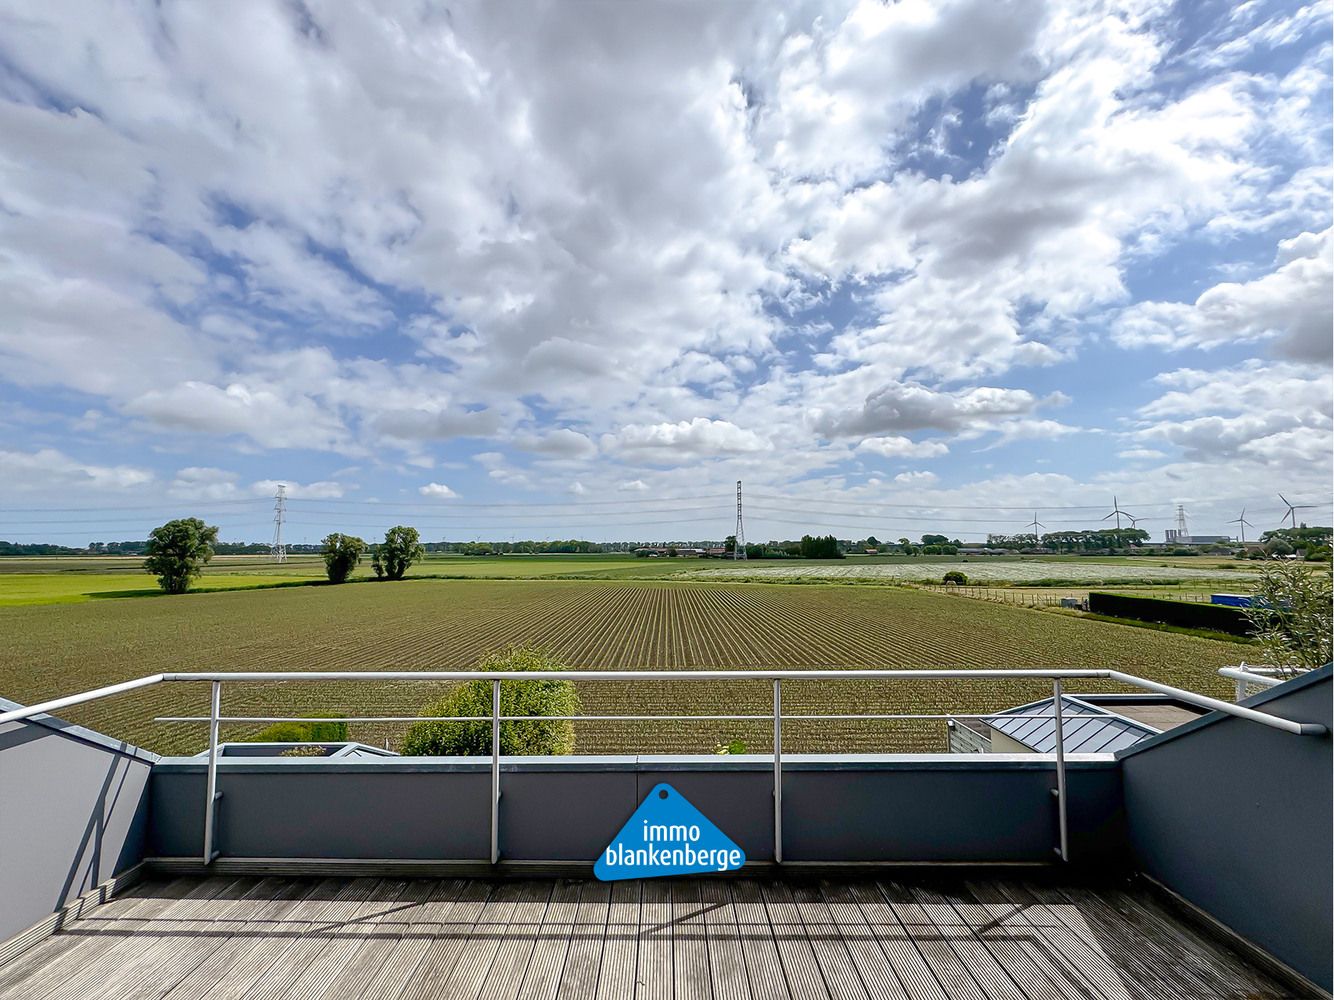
x,y
1088,727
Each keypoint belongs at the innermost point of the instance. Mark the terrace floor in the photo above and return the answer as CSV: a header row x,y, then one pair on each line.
x,y
350,938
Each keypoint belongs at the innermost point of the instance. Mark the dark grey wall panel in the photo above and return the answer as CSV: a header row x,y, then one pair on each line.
x,y
73,812
1236,817
983,808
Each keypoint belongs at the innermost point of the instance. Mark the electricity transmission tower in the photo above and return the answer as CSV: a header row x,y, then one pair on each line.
x,y
278,550
739,548
1183,532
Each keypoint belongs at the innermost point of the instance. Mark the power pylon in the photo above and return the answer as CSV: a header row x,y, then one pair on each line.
x,y
278,550
739,549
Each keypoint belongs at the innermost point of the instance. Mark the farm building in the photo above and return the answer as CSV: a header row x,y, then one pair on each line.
x,y
1093,723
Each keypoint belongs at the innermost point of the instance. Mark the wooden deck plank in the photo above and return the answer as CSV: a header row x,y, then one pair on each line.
x,y
480,947
831,952
583,962
447,947
1013,949
283,960
965,971
727,965
87,934
516,948
655,942
877,975
90,977
552,944
231,960
692,979
804,978
619,970
931,937
899,948
181,947
423,923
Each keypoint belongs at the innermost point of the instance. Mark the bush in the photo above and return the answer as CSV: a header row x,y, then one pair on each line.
x,y
332,731
401,548
731,747
535,698
1290,613
341,555
177,552
303,752
954,576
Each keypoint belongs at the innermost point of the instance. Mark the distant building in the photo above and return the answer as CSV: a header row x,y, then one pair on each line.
x,y
1092,723
1174,537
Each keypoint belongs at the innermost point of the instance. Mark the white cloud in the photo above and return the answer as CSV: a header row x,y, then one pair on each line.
x,y
633,486
49,469
919,478
1290,305
437,491
909,406
902,447
684,440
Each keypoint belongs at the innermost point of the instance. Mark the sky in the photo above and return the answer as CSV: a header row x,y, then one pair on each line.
x,y
551,270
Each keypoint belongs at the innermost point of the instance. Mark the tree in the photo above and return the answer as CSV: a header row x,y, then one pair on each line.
x,y
1290,613
935,539
401,548
527,698
333,731
729,545
341,555
824,547
177,552
956,577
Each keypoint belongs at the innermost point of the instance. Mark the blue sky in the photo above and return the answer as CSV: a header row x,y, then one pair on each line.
x,y
895,266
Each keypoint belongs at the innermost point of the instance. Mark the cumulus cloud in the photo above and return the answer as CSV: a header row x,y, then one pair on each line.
x,y
896,446
918,478
910,406
1291,306
684,440
49,469
437,491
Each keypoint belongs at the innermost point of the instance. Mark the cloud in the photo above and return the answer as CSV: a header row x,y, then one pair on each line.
x,y
437,491
633,486
1290,306
684,440
322,490
263,413
48,469
560,443
909,406
902,447
919,478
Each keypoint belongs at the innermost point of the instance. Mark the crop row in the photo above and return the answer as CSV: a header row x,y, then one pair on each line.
x,y
449,624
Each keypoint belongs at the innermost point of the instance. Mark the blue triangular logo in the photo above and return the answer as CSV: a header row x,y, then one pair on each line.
x,y
667,836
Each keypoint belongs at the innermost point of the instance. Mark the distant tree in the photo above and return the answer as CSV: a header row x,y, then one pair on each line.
x,y
333,731
1291,615
341,555
935,539
872,542
401,548
673,551
729,545
177,552
526,698
954,576
824,547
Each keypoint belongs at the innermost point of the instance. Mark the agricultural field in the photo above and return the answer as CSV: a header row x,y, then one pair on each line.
x,y
448,624
75,579
1069,572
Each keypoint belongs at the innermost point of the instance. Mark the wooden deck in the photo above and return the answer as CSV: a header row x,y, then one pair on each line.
x,y
390,939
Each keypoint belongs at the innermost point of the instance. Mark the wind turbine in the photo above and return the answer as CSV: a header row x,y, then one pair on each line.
x,y
1117,513
1293,508
1244,524
1035,524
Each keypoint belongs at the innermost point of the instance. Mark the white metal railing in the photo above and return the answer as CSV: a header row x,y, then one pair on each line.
x,y
1246,677
215,718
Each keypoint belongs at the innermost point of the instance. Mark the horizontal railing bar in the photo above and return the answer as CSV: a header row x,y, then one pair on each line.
x,y
28,711
1250,677
630,675
1080,717
1190,697
1214,705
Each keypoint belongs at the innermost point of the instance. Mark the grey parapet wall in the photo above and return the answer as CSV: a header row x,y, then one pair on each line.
x,y
73,813
836,809
1236,819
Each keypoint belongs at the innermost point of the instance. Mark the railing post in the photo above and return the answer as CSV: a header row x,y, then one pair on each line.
x,y
495,771
210,802
778,771
1063,819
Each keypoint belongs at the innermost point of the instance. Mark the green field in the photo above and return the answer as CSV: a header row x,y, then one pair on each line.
x,y
74,579
62,648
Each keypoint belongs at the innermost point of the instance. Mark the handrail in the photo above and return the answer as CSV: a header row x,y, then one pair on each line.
x,y
215,681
